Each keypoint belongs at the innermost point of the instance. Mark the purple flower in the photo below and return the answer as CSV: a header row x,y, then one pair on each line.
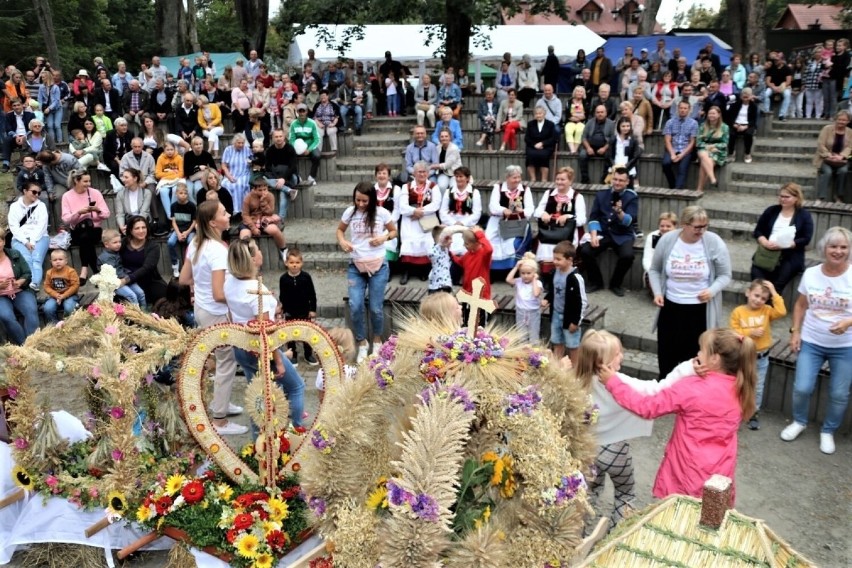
x,y
317,506
110,330
322,441
119,309
21,444
117,455
425,507
116,412
524,402
397,495
12,392
388,349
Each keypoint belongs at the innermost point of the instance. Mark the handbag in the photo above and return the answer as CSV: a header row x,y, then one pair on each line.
x,y
553,233
513,228
429,222
766,259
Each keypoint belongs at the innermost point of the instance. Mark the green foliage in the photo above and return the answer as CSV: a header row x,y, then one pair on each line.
x,y
218,28
473,498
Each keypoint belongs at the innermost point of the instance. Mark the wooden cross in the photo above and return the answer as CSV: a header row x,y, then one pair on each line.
x,y
476,302
260,293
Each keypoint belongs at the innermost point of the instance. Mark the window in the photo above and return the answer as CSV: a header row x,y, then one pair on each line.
x,y
591,15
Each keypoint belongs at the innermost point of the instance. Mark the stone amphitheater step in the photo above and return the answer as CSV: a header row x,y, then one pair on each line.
x,y
783,133
767,189
392,124
771,157
781,146
355,164
381,139
798,124
734,205
778,173
379,153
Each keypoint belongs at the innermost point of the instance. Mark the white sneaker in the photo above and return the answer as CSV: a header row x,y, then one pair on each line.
x,y
792,431
376,347
234,410
311,180
103,167
362,354
176,271
826,443
231,429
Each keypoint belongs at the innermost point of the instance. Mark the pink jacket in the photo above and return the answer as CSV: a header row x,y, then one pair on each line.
x,y
704,438
73,202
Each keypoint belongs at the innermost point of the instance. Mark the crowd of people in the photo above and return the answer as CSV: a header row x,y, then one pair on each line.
x,y
158,135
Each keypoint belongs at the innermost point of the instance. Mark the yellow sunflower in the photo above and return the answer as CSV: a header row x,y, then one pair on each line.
x,y
263,560
174,483
145,513
247,451
247,546
116,503
269,526
277,509
22,478
378,498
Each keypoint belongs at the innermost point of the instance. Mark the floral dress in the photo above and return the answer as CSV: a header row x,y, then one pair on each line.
x,y
715,142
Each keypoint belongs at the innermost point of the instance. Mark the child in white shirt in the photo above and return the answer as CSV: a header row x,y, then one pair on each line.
x,y
439,277
527,297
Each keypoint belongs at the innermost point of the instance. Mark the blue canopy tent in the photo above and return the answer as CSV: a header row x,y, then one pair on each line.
x,y
689,46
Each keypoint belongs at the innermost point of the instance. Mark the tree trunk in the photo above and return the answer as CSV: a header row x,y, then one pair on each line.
x,y
45,22
755,36
457,37
253,16
649,17
171,31
192,26
737,19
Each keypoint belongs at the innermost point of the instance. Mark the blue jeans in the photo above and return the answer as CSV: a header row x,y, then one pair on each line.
x,y
167,197
393,103
290,382
192,187
284,199
25,304
785,101
824,190
679,181
357,110
358,285
53,123
35,257
811,358
133,293
51,306
172,243
762,368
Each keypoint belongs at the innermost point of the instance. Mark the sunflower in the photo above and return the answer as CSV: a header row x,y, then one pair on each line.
x,y
263,560
174,483
378,498
247,545
22,478
117,503
277,509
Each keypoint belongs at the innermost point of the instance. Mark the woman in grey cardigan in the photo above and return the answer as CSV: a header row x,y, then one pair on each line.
x,y
133,199
690,269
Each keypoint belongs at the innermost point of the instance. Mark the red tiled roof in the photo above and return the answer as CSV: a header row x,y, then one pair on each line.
x,y
606,24
800,16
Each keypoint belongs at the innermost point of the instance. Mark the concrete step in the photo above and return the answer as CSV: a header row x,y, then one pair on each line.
x,y
803,160
354,176
778,173
381,139
799,124
791,133
734,205
780,146
358,164
390,151
767,189
733,230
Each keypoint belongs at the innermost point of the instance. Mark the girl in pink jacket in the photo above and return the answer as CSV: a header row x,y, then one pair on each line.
x,y
708,412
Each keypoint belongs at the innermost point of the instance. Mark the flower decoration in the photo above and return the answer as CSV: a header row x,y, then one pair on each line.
x,y
22,478
21,444
116,412
523,402
537,358
567,489
321,440
453,392
381,371
420,505
94,310
481,349
116,503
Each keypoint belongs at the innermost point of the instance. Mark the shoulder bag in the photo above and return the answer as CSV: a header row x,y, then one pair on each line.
x,y
766,259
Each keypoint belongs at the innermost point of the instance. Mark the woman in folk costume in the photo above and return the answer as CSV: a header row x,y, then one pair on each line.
x,y
561,205
509,200
419,201
388,197
461,205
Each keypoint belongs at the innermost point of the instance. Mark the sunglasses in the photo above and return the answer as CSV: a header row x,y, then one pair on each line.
x,y
34,191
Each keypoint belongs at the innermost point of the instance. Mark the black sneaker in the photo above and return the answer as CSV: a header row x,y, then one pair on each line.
x,y
311,360
782,118
617,290
754,422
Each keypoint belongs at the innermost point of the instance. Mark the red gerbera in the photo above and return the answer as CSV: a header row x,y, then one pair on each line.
x,y
162,504
277,539
284,446
231,535
193,492
263,515
210,474
291,492
243,521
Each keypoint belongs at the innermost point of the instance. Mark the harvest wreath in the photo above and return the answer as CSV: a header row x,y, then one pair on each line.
x,y
112,351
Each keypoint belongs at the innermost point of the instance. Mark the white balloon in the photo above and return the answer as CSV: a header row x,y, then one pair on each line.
x,y
300,146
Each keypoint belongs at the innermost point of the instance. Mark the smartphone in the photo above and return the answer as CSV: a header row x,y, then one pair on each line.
x,y
91,203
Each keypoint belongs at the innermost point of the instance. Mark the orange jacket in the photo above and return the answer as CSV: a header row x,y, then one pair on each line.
x,y
12,93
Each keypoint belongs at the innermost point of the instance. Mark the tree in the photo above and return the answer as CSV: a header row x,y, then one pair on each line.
x,y
649,18
192,26
171,26
45,22
218,25
253,16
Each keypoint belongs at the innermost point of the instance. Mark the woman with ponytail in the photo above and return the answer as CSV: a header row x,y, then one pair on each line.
x,y
708,409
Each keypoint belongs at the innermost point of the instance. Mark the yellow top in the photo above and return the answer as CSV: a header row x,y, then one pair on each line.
x,y
747,321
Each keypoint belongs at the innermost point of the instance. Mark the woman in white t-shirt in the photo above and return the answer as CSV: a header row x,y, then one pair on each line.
x,y
208,263
822,331
690,269
241,286
370,227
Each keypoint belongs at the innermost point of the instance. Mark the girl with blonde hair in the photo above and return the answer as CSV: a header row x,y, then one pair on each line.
x,y
528,297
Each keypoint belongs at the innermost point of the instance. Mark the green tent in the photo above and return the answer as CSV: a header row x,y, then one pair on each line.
x,y
219,59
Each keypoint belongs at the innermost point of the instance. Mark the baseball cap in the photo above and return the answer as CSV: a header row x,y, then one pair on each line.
x,y
643,50
301,106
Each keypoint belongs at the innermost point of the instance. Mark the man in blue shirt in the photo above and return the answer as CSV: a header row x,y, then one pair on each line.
x,y
421,149
611,226
680,133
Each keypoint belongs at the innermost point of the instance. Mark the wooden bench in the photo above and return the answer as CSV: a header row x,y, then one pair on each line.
x,y
401,301
782,372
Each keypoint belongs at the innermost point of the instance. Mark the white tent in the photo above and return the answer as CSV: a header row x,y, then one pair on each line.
x,y
408,42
